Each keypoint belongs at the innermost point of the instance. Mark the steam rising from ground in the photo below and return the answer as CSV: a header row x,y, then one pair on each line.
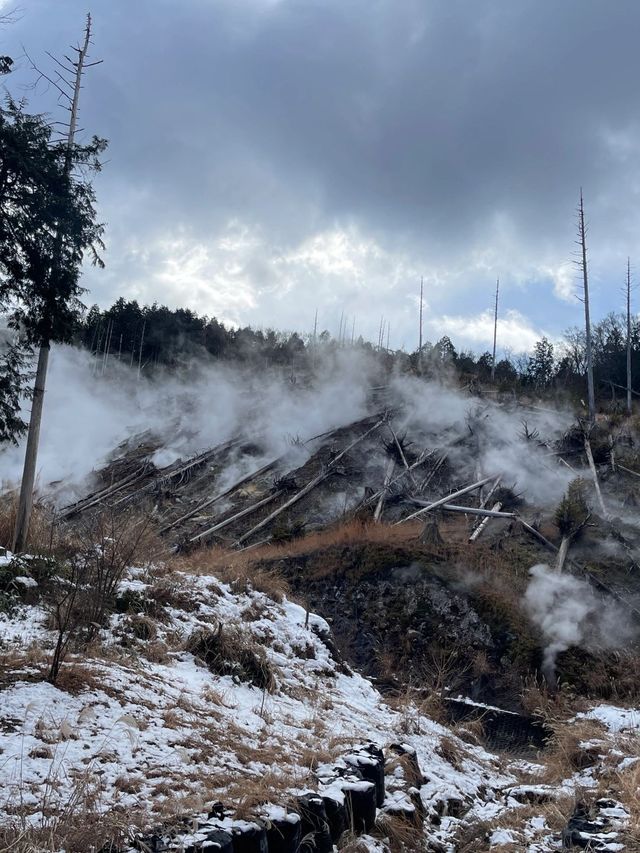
x,y
496,432
86,416
569,613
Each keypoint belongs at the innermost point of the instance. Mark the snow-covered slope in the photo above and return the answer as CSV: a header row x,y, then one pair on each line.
x,y
201,692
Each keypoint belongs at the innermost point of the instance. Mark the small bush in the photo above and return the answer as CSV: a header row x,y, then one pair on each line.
x,y
226,651
572,512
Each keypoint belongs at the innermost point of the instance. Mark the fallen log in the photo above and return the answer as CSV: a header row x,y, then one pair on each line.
x,y
310,486
228,491
628,470
481,526
475,510
420,461
471,510
167,477
483,503
383,493
427,507
563,550
402,456
103,494
433,472
247,511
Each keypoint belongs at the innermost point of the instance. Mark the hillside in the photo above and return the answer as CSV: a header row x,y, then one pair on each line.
x,y
167,684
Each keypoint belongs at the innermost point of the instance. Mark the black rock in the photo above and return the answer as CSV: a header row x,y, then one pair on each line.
x,y
218,841
314,825
150,844
337,817
370,762
361,805
249,839
283,836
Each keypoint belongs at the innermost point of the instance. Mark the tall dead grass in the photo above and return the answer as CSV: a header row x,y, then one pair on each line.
x,y
45,536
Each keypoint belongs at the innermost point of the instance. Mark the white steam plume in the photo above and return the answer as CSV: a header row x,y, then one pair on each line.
x,y
87,416
570,613
444,416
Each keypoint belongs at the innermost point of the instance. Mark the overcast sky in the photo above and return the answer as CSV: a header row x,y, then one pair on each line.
x,y
271,157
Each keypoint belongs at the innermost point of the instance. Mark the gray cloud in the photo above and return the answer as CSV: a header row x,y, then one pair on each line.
x,y
450,135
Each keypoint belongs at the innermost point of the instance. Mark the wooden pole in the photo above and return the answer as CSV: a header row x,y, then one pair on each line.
x,y
420,327
144,325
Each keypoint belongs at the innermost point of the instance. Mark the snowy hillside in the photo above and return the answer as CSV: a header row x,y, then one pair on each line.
x,y
201,692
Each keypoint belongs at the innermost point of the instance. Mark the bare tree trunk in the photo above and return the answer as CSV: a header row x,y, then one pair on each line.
x,y
495,334
582,240
427,507
25,503
629,404
144,325
594,473
485,521
562,553
387,479
420,332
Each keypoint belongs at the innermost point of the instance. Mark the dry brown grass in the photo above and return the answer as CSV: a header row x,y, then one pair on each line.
x,y
246,795
233,651
402,834
242,564
451,752
79,824
474,836
626,786
236,569
45,537
565,754
76,677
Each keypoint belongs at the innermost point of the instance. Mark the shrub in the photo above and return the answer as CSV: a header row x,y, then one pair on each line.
x,y
227,651
572,512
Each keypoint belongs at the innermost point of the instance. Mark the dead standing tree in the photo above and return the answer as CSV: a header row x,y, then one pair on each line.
x,y
582,266
59,280
495,333
628,294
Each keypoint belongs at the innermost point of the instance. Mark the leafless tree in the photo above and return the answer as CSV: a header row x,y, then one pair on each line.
x,y
583,267
69,90
495,333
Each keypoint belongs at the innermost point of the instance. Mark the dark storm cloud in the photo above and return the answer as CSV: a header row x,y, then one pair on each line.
x,y
443,130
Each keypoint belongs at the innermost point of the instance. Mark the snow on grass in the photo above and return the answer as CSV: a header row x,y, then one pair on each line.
x,y
139,729
616,720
